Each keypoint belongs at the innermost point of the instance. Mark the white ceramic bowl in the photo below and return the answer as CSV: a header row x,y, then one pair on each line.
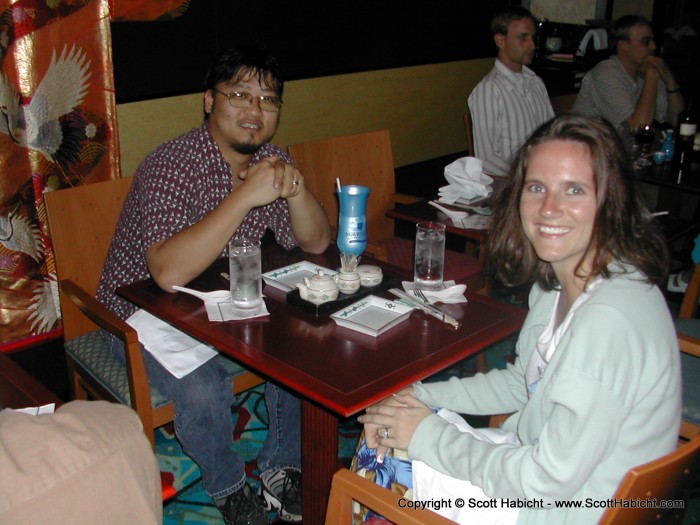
x,y
370,275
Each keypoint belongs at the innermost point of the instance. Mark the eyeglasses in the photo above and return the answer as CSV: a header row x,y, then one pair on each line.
x,y
646,41
243,99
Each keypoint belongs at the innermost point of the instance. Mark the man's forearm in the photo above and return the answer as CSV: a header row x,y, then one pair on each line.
x,y
188,253
645,109
309,222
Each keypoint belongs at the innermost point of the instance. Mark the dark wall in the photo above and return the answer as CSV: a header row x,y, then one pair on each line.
x,y
310,38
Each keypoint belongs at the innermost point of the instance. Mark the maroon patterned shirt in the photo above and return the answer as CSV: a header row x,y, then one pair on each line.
x,y
176,186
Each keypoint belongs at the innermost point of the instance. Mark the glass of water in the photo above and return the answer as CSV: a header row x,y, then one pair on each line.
x,y
245,269
430,256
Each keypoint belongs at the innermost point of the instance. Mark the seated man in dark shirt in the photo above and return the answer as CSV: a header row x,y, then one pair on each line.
x,y
189,198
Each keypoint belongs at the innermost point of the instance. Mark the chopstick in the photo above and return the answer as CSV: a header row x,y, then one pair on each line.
x,y
428,309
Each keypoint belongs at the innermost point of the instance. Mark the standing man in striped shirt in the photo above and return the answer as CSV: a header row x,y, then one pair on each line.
x,y
511,101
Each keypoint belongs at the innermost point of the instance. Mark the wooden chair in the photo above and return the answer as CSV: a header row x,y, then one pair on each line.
x,y
366,159
688,327
665,478
347,487
469,129
82,221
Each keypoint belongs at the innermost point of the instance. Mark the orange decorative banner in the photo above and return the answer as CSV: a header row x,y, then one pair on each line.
x,y
58,129
147,10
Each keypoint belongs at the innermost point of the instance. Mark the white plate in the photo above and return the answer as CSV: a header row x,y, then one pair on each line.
x,y
288,277
372,315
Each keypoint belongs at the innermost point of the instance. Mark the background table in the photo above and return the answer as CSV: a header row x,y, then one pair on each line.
x,y
662,175
422,211
336,371
681,202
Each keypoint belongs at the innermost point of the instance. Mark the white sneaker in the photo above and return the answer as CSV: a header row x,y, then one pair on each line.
x,y
281,491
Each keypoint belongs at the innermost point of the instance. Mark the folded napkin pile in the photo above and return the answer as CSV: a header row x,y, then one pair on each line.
x,y
467,182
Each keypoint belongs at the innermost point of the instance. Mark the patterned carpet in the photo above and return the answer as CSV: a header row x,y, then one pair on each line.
x,y
192,506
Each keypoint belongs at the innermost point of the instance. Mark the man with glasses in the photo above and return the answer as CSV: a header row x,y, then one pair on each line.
x,y
633,87
511,101
190,196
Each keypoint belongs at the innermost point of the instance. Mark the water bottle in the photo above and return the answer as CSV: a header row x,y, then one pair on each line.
x,y
352,223
668,146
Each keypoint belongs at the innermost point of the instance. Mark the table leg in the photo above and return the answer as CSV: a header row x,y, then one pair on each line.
x,y
319,458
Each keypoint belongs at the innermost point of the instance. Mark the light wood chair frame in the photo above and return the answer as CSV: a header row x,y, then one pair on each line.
x,y
665,478
469,130
688,344
370,164
348,487
82,221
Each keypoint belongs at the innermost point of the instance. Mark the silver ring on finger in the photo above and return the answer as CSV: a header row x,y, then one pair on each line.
x,y
384,433
295,182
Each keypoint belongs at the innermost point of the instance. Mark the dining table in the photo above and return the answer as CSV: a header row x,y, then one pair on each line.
x,y
337,372
423,211
675,203
663,176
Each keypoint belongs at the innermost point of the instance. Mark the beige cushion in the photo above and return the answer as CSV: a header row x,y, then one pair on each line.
x,y
88,463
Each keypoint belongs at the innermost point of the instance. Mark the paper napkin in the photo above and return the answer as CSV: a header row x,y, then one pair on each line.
x,y
223,311
408,287
466,181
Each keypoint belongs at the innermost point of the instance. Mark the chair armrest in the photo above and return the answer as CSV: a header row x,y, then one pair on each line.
x,y
689,345
348,487
99,314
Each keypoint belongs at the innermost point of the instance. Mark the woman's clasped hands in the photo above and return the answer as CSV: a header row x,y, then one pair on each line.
x,y
392,422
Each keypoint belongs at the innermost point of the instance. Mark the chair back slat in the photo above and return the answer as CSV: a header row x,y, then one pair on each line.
x,y
469,129
82,221
365,159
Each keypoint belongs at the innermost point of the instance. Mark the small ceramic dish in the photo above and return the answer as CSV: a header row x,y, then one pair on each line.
x,y
370,275
348,282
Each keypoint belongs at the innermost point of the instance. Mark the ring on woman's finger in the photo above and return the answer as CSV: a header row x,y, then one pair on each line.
x,y
384,433
295,182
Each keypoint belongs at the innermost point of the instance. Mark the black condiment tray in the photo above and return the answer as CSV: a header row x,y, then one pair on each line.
x,y
343,300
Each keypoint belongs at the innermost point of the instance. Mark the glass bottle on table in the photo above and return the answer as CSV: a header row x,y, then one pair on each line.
x,y
644,137
687,126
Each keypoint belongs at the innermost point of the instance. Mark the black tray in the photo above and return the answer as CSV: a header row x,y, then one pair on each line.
x,y
342,301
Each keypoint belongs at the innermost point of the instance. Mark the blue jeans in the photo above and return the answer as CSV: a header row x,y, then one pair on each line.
x,y
204,426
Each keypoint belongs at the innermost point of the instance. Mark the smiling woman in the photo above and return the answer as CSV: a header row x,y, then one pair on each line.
x,y
590,161
558,206
595,387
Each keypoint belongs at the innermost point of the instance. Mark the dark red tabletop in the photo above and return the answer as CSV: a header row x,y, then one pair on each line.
x,y
342,370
